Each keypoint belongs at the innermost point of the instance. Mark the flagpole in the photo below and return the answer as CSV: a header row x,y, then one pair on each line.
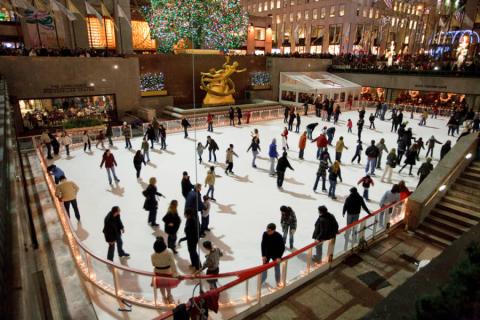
x,y
36,23
106,36
72,28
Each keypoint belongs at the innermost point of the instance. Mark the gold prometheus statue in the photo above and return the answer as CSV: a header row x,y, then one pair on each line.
x,y
218,85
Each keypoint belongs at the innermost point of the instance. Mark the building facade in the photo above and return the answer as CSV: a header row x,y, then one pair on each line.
x,y
368,26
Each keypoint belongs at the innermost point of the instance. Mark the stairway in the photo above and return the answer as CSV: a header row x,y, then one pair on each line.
x,y
457,212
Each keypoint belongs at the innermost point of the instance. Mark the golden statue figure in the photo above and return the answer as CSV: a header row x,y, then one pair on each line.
x,y
218,85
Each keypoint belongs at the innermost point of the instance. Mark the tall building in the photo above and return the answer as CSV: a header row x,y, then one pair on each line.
x,y
329,26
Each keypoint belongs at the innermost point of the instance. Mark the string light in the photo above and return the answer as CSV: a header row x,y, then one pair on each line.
x,y
260,78
152,81
211,24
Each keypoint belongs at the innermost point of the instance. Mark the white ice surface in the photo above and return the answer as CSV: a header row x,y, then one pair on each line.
x,y
246,202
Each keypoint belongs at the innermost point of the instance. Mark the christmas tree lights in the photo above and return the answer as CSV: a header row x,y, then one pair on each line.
x,y
260,78
152,82
210,24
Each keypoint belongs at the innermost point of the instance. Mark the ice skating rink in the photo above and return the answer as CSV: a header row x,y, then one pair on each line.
x,y
246,201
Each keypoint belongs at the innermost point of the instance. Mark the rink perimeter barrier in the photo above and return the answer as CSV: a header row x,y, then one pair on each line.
x,y
239,290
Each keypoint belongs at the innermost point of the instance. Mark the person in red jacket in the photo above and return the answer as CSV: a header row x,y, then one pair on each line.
x,y
210,122
322,143
404,192
109,160
349,125
301,144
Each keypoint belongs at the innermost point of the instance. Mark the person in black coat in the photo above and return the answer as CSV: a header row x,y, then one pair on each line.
x,y
192,228
138,160
411,159
185,124
187,186
231,116
291,119
282,166
239,115
194,200
445,149
151,203
150,135
272,250
113,229
55,144
172,223
212,148
352,207
326,228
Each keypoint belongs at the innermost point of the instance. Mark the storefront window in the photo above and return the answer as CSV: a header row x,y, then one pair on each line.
x,y
332,11
259,33
67,111
288,95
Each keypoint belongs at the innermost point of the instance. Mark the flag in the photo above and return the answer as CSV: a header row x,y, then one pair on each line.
x,y
57,6
23,4
388,3
73,8
106,13
91,10
458,14
122,14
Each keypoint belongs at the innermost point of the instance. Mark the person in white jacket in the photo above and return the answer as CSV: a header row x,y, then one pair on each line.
x,y
66,141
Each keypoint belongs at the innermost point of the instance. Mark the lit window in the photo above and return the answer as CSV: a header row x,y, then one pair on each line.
x,y
272,4
285,3
249,7
292,2
279,4
307,15
395,6
370,13
407,39
259,34
358,12
291,16
315,14
323,13
284,17
254,7
100,36
299,15
341,10
332,11
364,13
265,6
377,14
260,7
279,19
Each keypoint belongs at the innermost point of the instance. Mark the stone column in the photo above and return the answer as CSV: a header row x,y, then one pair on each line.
x,y
251,40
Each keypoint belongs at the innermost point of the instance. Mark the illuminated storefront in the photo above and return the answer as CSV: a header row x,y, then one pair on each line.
x,y
67,111
101,36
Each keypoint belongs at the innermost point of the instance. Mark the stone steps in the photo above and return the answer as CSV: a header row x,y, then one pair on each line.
x,y
466,203
432,238
452,217
452,227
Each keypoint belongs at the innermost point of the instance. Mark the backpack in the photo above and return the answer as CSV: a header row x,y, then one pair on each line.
x,y
332,226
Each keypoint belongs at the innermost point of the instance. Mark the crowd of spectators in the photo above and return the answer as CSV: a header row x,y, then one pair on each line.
x,y
403,63
55,52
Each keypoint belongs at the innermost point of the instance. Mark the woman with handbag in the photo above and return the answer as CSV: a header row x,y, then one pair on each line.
x,y
166,275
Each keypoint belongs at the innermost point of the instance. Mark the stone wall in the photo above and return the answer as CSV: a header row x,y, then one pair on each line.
x,y
49,77
182,73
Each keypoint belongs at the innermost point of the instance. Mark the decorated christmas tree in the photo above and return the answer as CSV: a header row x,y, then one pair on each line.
x,y
210,24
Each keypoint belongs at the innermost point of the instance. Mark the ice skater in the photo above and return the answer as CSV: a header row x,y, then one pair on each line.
x,y
210,122
302,143
138,160
297,124
162,132
100,139
410,159
389,166
372,153
210,182
150,135
67,191
231,116
288,221
381,147
200,149
310,127
339,149
255,147
273,155
282,166
334,172
185,125
291,119
321,174
109,160
431,145
86,141
109,134
229,159
66,141
113,229
372,121
239,115
127,134
146,149
360,123
172,223
212,149
366,182
205,215
358,152
285,139
349,125
212,263
272,249
151,203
